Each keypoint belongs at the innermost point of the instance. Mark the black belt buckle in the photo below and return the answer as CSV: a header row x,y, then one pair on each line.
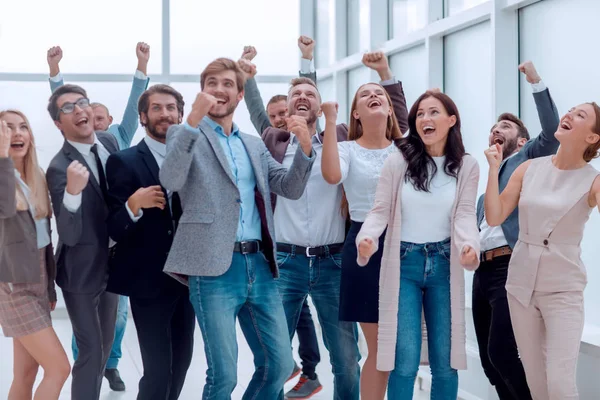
x,y
249,247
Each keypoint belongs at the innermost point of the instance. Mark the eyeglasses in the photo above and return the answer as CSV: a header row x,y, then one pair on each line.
x,y
68,108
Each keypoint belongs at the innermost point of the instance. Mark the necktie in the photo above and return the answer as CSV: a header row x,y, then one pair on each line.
x,y
101,176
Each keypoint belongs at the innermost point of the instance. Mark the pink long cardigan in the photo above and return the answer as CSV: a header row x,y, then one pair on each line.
x,y
387,212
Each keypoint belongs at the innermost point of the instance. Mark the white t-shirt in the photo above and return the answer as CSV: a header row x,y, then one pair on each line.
x,y
427,216
361,168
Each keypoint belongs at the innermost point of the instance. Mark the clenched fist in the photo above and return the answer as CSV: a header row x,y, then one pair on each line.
x,y
530,72
366,248
5,138
148,197
378,62
306,46
468,256
330,110
54,56
77,178
248,68
201,107
142,52
249,53
494,156
297,125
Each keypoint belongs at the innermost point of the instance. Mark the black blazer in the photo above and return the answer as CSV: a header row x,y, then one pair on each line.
x,y
82,251
136,266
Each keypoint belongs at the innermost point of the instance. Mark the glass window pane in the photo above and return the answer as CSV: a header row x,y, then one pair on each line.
x,y
272,26
357,26
407,16
327,91
414,80
324,25
455,6
105,43
241,116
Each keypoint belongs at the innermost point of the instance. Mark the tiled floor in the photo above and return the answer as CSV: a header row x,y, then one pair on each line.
x,y
130,367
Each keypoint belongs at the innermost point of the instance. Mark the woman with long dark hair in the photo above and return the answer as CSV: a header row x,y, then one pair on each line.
x,y
426,199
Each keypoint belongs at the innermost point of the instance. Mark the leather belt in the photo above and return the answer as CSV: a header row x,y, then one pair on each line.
x,y
249,247
497,252
319,251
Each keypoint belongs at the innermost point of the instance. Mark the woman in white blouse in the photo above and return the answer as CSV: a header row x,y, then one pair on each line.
x,y
357,164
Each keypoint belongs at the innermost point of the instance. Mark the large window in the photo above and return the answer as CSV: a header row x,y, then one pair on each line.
x,y
406,16
407,67
455,6
357,26
324,26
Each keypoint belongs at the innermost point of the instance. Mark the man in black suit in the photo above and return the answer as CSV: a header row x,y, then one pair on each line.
x,y
79,204
143,220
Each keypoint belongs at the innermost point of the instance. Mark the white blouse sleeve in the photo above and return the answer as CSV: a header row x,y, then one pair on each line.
x,y
344,150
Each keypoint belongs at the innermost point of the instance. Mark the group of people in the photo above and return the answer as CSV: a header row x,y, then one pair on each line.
x,y
376,219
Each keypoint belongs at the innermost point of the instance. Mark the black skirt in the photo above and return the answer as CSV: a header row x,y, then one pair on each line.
x,y
359,287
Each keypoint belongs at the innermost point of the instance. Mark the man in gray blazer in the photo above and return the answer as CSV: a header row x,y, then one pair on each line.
x,y
79,204
497,347
223,247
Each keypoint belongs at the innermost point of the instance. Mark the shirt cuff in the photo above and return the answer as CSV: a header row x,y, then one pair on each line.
x,y
389,82
313,154
56,78
140,75
307,66
538,87
72,202
134,218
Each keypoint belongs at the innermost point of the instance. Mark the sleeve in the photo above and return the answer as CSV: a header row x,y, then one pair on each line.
x,y
289,183
466,232
8,188
68,223
256,108
178,160
344,151
56,81
129,124
545,143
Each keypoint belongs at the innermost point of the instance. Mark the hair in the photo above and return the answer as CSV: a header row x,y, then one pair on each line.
x,y
593,150
276,99
413,148
523,132
304,81
96,105
144,101
220,65
33,176
53,109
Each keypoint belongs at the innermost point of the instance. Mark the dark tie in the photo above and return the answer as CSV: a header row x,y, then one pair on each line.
x,y
101,176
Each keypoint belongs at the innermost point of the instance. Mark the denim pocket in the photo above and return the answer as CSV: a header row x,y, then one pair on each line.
x,y
282,258
404,250
446,249
337,259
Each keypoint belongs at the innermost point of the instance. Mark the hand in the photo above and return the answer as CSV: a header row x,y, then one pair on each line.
x,y
494,156
5,138
52,305
306,46
530,72
330,110
248,68
142,52
77,178
54,56
468,256
201,107
366,248
297,125
249,53
148,197
378,61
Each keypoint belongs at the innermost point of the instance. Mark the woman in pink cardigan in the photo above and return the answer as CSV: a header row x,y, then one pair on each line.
x,y
426,198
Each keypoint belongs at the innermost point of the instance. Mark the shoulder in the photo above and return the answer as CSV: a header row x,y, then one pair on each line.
x,y
275,134
127,154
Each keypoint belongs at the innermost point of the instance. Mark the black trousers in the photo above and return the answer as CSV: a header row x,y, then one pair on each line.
x,y
308,348
165,328
497,346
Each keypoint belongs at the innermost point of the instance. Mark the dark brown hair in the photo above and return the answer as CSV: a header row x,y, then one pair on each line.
x,y
224,64
64,89
523,132
144,101
592,151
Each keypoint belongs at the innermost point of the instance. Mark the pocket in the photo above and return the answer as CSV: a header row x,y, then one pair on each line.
x,y
446,250
192,216
337,259
282,258
404,250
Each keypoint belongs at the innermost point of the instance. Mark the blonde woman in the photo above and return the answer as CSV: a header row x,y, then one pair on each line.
x,y
27,268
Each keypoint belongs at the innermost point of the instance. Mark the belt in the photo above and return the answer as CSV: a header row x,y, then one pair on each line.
x,y
497,252
319,251
249,247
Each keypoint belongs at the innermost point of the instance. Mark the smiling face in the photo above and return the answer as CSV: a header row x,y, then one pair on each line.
x,y
20,141
506,134
162,113
371,101
223,87
433,123
304,100
102,118
77,125
577,127
277,113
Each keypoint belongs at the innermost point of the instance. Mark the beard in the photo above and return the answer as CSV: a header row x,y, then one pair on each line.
x,y
153,129
230,109
310,119
509,148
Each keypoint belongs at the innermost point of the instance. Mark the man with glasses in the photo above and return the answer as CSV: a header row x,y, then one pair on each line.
x,y
77,184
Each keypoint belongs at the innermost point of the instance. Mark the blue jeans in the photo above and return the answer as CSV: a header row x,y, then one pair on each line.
x,y
115,351
424,286
320,277
247,291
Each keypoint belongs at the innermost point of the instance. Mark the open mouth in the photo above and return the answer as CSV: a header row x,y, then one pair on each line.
x,y
428,130
17,145
302,107
221,101
374,103
498,140
566,126
82,121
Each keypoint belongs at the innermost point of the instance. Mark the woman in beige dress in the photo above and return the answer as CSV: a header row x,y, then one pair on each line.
x,y
27,267
546,276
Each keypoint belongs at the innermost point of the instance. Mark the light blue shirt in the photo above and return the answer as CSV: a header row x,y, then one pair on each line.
x,y
41,225
249,227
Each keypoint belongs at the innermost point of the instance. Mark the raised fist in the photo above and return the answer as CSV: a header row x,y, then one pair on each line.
x,y
54,56
376,60
530,72
201,107
77,178
330,110
142,51
306,46
249,53
5,138
248,68
494,156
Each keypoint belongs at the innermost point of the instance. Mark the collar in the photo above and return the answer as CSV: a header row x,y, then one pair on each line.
x,y
85,148
219,129
315,139
156,146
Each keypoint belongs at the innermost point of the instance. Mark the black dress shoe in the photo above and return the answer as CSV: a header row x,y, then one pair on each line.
x,y
114,380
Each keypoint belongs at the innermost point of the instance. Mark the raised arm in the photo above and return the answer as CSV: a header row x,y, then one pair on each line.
x,y
252,97
367,240
499,206
331,167
466,231
180,144
545,143
125,131
53,57
8,181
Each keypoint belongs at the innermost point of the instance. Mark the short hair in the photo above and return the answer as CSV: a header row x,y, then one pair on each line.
x,y
276,99
96,105
144,101
53,109
224,64
303,81
523,133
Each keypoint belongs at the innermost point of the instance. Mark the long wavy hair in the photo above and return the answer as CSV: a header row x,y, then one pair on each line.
x,y
355,131
33,177
421,167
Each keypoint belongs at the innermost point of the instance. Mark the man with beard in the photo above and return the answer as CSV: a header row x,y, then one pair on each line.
x,y
143,219
497,347
224,245
311,232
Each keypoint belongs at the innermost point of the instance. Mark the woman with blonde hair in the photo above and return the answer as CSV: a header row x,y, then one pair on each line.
x,y
27,268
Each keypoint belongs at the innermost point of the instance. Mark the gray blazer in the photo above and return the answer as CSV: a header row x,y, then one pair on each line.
x,y
82,251
19,259
543,145
196,167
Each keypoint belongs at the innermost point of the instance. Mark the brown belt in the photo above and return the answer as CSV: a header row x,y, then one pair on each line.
x,y
498,252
